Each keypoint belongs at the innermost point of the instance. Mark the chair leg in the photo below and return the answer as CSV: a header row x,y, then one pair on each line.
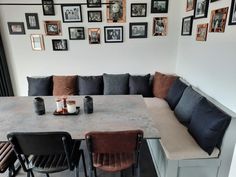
x,y
47,175
77,171
137,171
95,172
84,164
122,174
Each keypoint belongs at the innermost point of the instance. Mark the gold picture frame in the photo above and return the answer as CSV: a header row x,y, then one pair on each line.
x,y
116,11
94,35
37,42
218,20
202,30
190,5
52,28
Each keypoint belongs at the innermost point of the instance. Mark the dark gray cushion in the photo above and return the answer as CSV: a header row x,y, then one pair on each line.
x,y
39,86
90,85
116,84
175,92
208,125
186,105
140,85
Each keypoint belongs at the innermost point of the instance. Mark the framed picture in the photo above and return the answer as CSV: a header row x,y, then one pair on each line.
x,y
190,5
32,20
214,0
187,24
218,20
71,13
52,28
160,26
76,33
37,42
232,16
201,9
16,27
138,30
116,11
113,34
48,7
95,16
94,35
138,9
159,6
202,32
94,3
59,44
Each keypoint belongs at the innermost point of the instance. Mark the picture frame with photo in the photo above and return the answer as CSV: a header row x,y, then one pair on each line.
x,y
16,28
94,3
113,34
202,30
37,42
159,6
52,28
116,11
190,4
71,13
160,26
76,33
218,20
201,9
48,7
59,44
187,25
138,30
95,16
138,9
232,16
32,21
94,35
214,0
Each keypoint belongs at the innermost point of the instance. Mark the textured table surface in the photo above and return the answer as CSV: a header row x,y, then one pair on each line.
x,y
111,113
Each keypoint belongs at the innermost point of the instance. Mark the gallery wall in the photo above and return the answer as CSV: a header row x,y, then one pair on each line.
x,y
136,56
210,65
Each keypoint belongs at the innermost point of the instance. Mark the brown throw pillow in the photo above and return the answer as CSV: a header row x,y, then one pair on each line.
x,y
64,85
162,83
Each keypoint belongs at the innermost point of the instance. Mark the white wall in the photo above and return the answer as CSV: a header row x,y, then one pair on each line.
x,y
232,172
136,56
210,65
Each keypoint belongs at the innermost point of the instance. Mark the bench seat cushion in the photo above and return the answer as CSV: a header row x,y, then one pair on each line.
x,y
176,141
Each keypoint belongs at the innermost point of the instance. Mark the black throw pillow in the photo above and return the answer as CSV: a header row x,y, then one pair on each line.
x,y
39,86
90,85
208,125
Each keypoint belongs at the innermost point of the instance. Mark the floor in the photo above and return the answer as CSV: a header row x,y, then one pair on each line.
x,y
146,167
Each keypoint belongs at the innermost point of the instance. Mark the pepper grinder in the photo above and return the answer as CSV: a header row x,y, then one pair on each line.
x,y
39,106
88,105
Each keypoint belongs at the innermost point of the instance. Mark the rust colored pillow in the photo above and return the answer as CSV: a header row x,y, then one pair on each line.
x,y
162,83
64,85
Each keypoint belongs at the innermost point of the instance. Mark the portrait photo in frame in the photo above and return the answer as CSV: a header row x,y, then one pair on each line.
x,y
32,20
138,9
190,5
71,13
218,20
48,7
17,28
113,34
187,24
52,28
201,9
160,26
116,11
95,16
202,30
232,16
37,42
138,30
94,35
94,3
76,33
59,44
159,6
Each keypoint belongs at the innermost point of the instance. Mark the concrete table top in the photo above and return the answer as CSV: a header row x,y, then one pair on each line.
x,y
111,113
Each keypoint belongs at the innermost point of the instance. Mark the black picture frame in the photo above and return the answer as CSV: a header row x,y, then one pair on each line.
x,y
201,9
48,7
138,30
71,13
59,44
214,0
138,10
159,6
232,15
17,28
187,25
113,34
92,4
95,16
76,33
32,21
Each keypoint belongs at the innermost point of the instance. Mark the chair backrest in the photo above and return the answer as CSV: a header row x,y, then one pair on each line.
x,y
114,142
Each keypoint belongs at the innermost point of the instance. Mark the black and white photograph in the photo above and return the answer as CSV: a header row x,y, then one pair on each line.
x,y
187,24
52,28
138,30
48,7
160,26
116,11
232,16
32,20
95,16
113,34
76,33
201,9
59,44
71,13
159,6
218,20
94,35
138,9
16,28
94,3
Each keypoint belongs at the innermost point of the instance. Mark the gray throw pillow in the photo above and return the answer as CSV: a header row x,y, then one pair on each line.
x,y
39,86
116,84
90,85
186,105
